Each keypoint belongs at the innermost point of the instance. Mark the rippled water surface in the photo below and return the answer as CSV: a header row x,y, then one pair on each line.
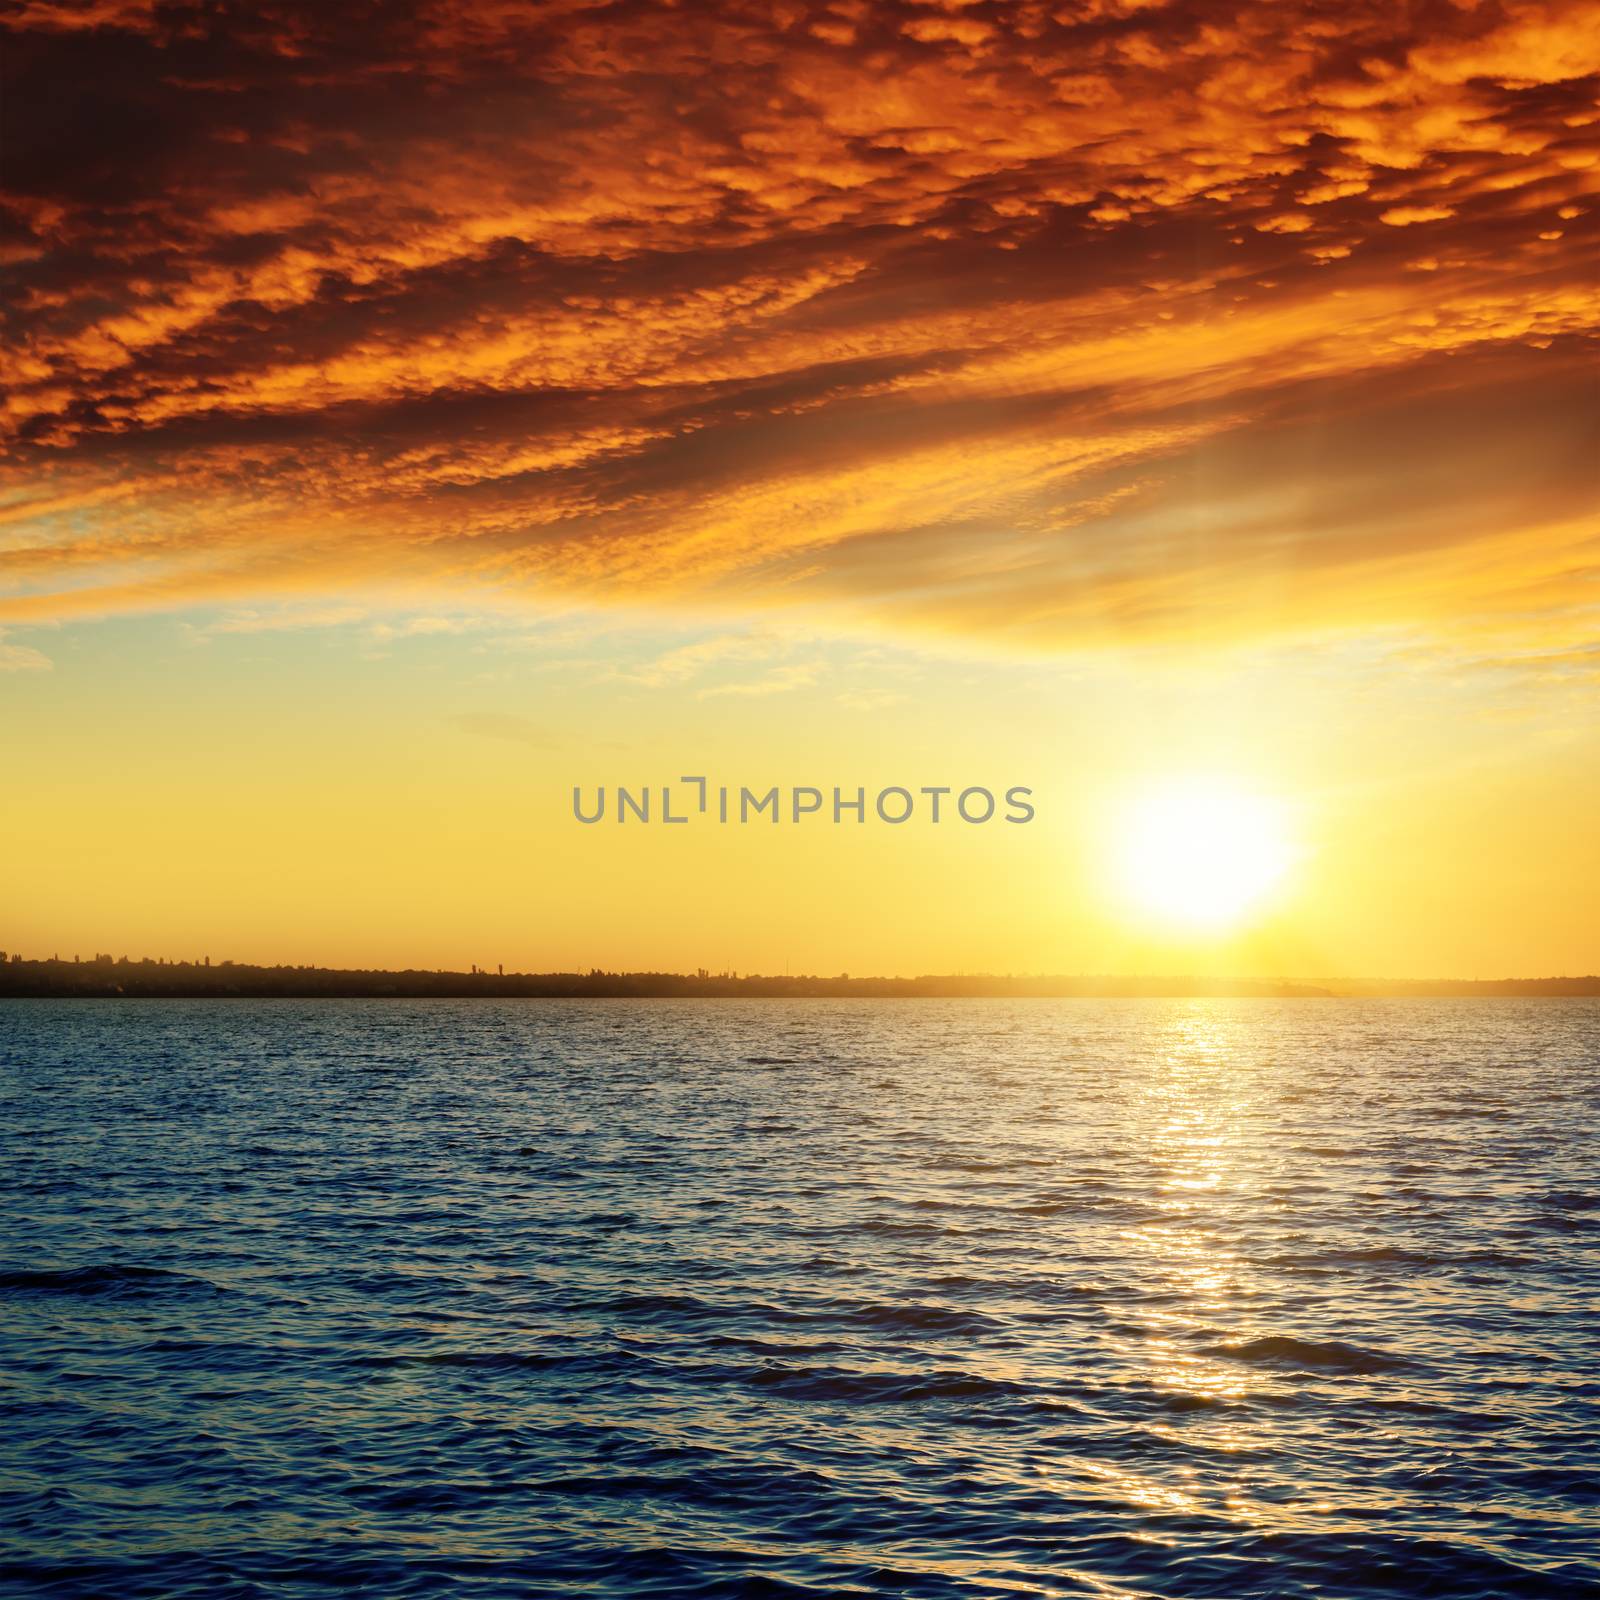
x,y
970,1298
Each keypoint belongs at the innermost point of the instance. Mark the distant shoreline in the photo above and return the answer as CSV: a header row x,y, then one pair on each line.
x,y
103,978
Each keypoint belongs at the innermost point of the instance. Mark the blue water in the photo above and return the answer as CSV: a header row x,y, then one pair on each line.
x,y
968,1298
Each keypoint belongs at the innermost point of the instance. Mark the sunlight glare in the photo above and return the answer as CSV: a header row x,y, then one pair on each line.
x,y
1203,852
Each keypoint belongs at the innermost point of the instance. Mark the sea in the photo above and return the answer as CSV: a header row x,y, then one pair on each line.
x,y
934,1298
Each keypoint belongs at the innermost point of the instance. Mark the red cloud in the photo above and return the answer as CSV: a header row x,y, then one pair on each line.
x,y
795,302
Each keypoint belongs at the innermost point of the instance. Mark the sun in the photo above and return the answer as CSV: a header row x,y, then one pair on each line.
x,y
1204,852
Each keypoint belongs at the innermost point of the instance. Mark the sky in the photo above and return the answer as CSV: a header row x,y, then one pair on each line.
x,y
412,413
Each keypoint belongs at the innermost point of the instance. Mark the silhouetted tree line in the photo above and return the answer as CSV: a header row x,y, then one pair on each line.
x,y
105,977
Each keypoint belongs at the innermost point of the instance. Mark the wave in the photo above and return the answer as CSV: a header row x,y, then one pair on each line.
x,y
104,1278
1329,1356
475,1360
1401,1256
909,1317
842,1384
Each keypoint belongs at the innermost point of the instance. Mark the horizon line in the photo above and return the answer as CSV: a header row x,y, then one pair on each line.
x,y
161,974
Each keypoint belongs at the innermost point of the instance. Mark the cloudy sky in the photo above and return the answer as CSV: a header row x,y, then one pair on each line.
x,y
629,372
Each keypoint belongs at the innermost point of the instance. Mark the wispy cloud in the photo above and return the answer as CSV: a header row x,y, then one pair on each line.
x,y
778,680
22,658
286,620
685,662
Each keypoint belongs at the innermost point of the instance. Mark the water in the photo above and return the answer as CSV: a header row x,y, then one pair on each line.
x,y
968,1298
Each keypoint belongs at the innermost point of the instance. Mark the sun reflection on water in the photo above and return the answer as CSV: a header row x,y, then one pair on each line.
x,y
1203,1164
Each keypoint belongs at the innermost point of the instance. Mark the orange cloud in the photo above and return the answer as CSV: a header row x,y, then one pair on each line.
x,y
1056,322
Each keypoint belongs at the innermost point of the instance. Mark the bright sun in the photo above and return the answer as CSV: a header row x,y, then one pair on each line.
x,y
1204,852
